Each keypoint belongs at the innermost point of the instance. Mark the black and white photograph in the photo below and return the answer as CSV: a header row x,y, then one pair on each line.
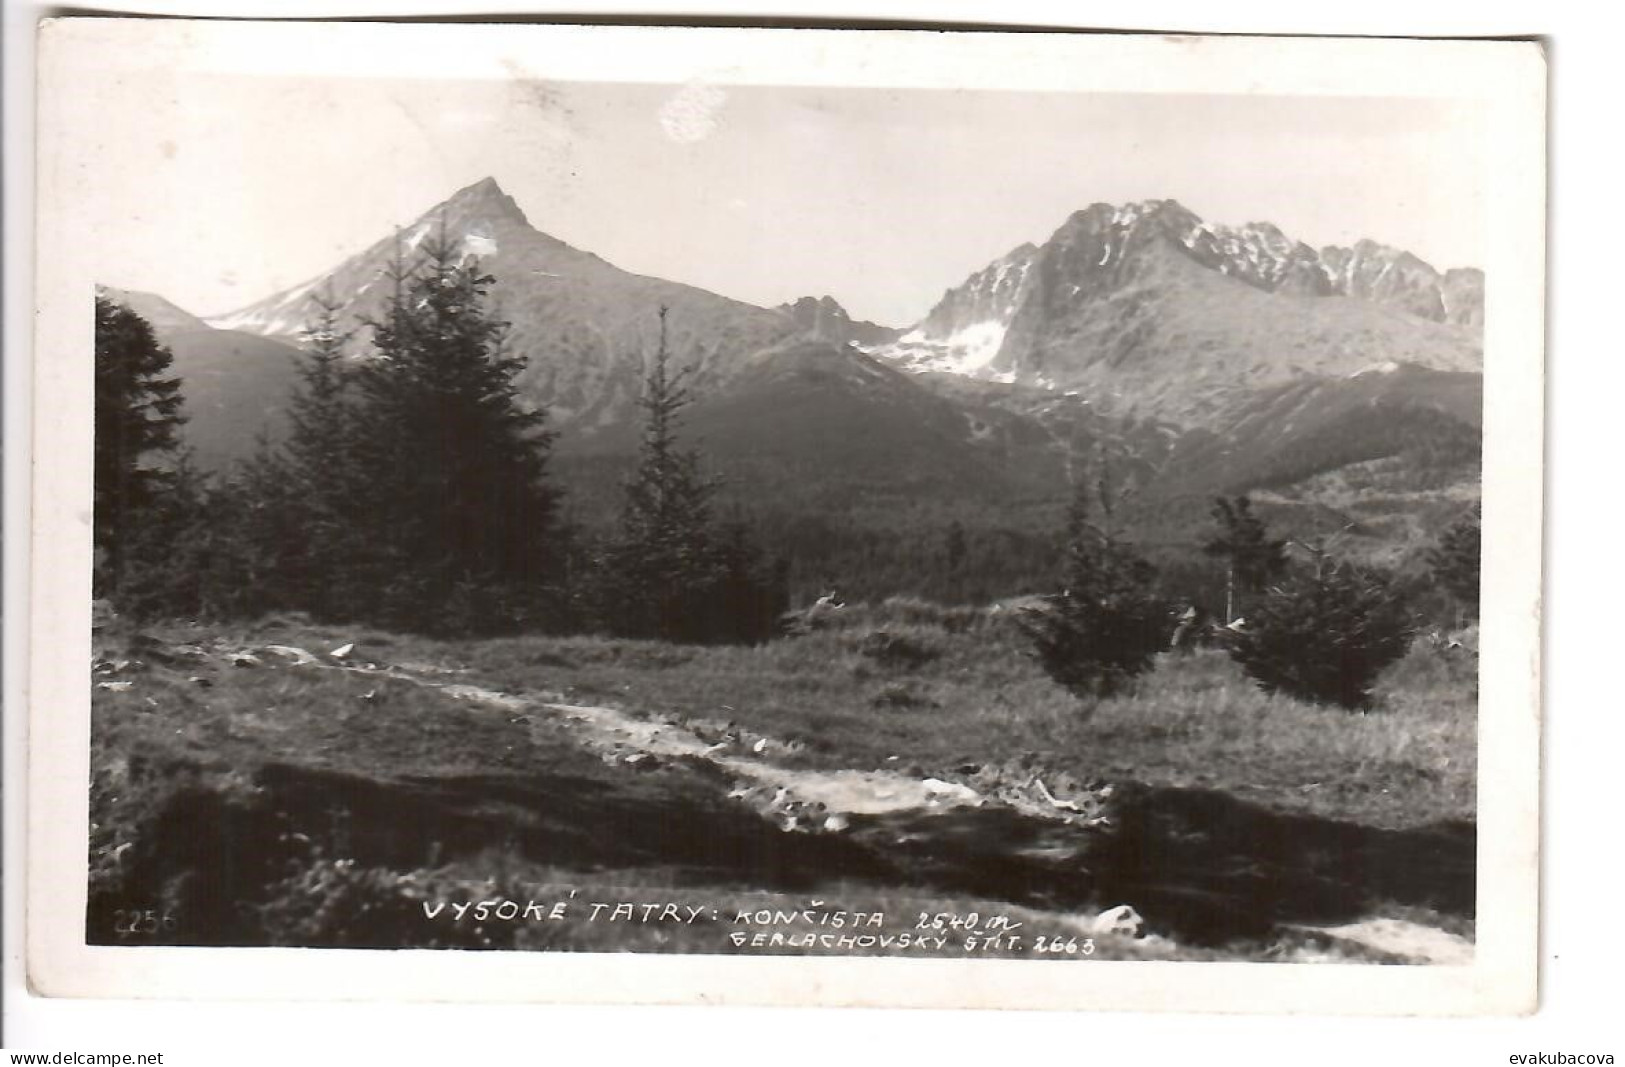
x,y
571,495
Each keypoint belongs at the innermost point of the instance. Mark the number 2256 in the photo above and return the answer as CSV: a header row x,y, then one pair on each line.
x,y
128,922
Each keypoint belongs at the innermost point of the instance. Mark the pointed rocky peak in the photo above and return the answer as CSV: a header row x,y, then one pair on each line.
x,y
485,197
1392,276
981,304
1168,215
476,215
1103,235
1373,256
1092,217
825,318
809,309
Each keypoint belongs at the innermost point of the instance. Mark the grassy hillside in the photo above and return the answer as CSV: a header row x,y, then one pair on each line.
x,y
260,790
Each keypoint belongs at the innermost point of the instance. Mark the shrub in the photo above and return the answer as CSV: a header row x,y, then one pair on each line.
x,y
1094,647
1108,625
1325,636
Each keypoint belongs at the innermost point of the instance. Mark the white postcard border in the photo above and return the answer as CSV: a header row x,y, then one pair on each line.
x,y
1508,79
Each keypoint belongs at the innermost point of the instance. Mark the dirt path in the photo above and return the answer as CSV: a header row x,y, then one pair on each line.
x,y
799,798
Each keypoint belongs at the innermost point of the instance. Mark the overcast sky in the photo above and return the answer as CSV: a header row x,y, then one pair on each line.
x,y
222,189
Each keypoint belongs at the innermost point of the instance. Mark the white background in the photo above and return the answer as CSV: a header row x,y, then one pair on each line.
x,y
1581,929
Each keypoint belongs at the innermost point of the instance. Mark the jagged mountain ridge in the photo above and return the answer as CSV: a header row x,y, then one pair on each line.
x,y
1105,306
1116,332
824,318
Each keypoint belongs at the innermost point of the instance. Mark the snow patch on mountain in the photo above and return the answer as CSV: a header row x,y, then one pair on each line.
x,y
1128,301
479,244
286,316
969,351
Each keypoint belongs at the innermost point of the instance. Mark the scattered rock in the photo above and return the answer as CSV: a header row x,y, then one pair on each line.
x,y
1122,921
117,687
343,650
298,655
1017,784
1407,940
940,792
116,666
200,681
243,659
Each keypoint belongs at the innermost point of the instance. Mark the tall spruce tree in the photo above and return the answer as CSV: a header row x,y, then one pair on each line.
x,y
292,504
188,558
1252,558
138,418
317,482
263,513
664,565
455,518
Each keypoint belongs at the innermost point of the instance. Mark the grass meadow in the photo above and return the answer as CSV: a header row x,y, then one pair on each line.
x,y
908,686
189,736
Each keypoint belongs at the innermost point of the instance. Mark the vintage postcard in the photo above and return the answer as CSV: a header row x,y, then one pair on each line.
x,y
670,514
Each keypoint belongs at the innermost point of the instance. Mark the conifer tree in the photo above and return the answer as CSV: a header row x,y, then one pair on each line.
x,y
673,573
1325,633
1251,556
753,593
448,468
664,565
138,418
264,512
1107,625
316,479
192,558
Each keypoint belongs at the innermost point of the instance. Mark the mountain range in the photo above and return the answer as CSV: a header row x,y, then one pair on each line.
x,y
1146,308
1202,358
